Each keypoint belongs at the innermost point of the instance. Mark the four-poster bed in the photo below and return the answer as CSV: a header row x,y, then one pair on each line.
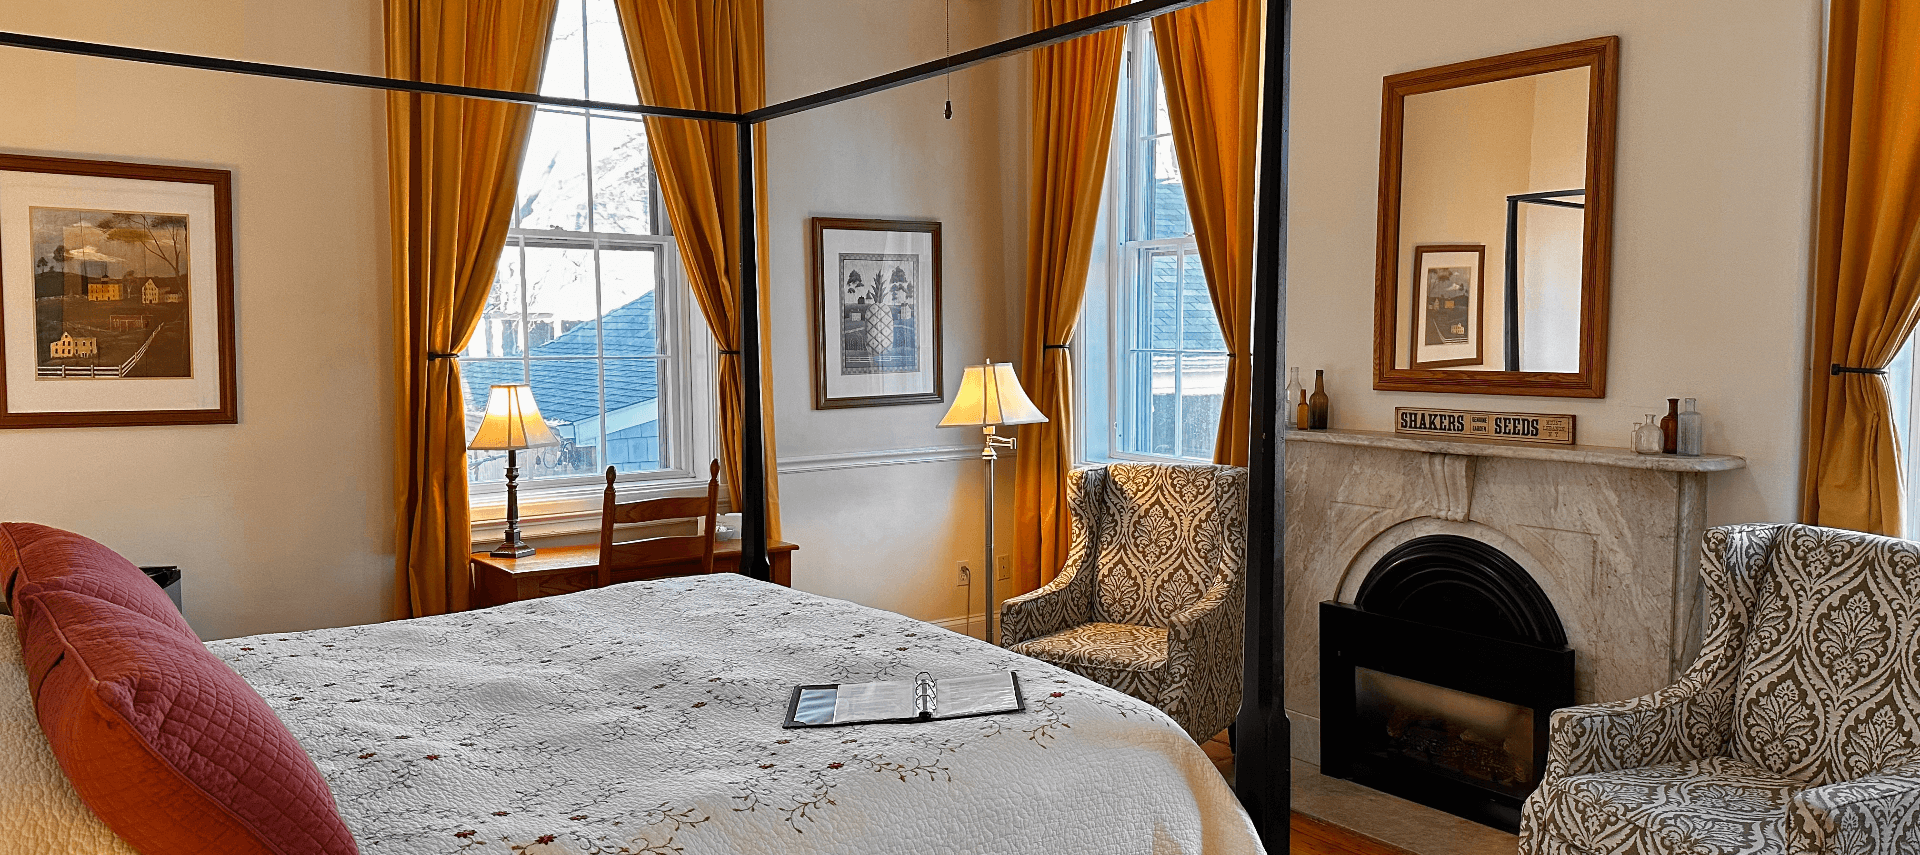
x,y
1262,733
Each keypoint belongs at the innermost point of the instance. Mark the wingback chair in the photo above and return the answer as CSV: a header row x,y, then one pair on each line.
x,y
1796,731
1151,600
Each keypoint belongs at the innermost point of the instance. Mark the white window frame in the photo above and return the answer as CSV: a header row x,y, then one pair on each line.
x,y
1903,392
687,375
1103,346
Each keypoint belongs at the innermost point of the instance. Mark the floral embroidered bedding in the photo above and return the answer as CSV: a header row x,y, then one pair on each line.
x,y
645,718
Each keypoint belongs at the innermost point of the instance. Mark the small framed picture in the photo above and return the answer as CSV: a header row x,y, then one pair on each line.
x,y
876,312
1448,305
116,294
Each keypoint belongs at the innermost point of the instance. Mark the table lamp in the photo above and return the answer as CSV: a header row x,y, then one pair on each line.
x,y
512,422
989,396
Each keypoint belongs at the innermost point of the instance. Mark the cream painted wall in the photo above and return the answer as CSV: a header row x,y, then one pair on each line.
x,y
1718,113
283,521
874,525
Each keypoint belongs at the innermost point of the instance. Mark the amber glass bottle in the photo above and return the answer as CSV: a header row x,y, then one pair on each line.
x,y
1303,414
1317,405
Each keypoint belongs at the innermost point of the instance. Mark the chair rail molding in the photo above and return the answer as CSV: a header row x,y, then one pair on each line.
x,y
881,457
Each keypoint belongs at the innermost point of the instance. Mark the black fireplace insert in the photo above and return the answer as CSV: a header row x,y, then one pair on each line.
x,y
1437,682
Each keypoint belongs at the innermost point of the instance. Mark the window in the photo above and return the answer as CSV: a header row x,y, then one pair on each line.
x,y
1905,397
589,305
1148,328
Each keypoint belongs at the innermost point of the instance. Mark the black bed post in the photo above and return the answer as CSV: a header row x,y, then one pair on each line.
x,y
753,445
1263,755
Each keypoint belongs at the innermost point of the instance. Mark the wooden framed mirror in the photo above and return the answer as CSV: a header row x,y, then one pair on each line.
x,y
1496,221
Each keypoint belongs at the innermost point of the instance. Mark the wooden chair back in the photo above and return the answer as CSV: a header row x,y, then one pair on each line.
x,y
655,551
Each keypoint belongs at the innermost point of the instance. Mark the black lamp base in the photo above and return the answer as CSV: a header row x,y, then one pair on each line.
x,y
511,546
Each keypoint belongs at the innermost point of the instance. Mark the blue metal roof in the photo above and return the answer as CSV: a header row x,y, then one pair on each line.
x,y
568,390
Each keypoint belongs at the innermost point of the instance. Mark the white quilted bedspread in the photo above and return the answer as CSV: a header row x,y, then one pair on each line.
x,y
645,718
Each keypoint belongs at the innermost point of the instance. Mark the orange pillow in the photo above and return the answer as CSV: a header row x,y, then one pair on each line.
x,y
170,748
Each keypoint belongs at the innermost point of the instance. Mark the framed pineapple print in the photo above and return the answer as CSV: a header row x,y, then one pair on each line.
x,y
875,312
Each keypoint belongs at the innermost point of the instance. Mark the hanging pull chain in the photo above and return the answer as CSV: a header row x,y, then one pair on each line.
x,y
949,56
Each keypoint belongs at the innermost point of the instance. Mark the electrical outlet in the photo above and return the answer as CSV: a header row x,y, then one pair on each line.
x,y
966,575
1003,569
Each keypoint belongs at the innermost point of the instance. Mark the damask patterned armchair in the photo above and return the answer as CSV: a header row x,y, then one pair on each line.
x,y
1151,600
1797,731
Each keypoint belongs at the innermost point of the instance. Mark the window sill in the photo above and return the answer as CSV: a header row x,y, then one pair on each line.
x,y
1133,457
561,511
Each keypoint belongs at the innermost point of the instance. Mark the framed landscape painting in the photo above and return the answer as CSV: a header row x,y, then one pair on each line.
x,y
116,294
875,301
1449,308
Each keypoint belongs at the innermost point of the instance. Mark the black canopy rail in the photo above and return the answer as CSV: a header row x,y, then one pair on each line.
x,y
1262,765
1511,312
1119,16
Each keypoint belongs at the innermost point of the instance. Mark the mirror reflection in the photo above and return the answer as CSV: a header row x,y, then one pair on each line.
x,y
1492,225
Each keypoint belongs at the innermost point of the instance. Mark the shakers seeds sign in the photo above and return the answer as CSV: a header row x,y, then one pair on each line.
x,y
1515,427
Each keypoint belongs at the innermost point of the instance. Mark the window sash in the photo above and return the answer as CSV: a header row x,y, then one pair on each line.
x,y
1129,347
679,372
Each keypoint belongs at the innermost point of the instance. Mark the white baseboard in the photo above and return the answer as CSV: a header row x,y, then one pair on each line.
x,y
967,625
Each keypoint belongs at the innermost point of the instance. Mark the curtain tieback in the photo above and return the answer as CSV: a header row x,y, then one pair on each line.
x,y
433,355
1053,347
1837,369
729,353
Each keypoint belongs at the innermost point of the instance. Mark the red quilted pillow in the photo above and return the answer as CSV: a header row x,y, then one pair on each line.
x,y
167,745
64,561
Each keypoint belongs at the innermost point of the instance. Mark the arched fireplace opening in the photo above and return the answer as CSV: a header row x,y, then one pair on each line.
x,y
1437,681
1464,584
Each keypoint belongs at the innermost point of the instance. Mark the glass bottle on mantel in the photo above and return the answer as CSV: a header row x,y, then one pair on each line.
x,y
1302,414
1647,437
1295,392
1670,427
1317,405
1691,438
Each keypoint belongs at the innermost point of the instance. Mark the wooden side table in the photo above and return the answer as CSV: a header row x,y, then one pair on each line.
x,y
565,569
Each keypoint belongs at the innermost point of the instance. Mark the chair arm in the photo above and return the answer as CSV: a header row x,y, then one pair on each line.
x,y
1066,601
1204,648
1062,603
1688,720
1874,815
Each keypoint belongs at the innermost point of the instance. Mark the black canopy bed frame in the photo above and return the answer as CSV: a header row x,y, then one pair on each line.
x,y
1262,764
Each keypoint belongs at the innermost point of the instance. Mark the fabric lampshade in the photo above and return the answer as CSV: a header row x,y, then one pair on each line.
x,y
513,421
990,394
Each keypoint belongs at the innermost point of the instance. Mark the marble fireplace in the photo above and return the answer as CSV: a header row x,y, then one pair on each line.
x,y
1611,538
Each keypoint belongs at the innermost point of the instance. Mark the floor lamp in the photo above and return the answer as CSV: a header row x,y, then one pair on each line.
x,y
512,423
990,396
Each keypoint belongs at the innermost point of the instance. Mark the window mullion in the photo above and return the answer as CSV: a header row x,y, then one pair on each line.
x,y
1179,351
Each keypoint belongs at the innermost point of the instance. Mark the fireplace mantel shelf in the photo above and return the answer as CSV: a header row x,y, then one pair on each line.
x,y
1595,455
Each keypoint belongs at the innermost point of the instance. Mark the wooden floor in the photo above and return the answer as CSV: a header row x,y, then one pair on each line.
x,y
1313,837
1310,836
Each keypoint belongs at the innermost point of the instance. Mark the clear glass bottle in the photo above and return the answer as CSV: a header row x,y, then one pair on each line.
x,y
1647,438
1691,431
1294,393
